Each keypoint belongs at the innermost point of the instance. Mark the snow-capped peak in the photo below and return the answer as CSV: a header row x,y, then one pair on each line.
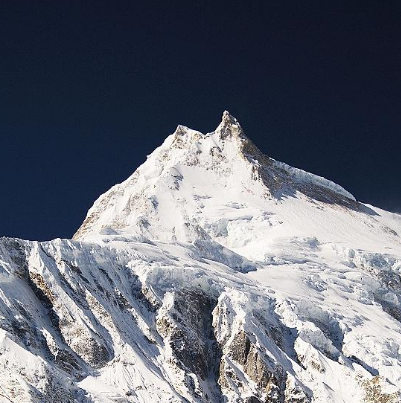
x,y
168,197
214,273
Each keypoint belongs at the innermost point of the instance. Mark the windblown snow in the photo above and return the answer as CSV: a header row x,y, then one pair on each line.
x,y
213,274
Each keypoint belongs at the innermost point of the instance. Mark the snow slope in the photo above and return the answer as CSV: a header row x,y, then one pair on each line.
x,y
213,274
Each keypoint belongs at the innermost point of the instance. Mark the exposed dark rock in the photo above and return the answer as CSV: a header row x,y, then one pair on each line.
x,y
188,330
269,378
17,253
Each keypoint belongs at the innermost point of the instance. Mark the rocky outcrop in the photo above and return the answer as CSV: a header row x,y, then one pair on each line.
x,y
374,392
185,323
268,377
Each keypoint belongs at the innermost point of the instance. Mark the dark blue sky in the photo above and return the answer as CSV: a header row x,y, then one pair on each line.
x,y
89,88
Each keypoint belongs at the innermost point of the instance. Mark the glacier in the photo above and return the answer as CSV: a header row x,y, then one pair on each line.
x,y
214,273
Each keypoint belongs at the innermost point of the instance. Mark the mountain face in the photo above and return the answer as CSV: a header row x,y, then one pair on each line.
x,y
213,274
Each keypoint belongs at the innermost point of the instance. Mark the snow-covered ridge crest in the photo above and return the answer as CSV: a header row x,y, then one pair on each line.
x,y
161,199
303,176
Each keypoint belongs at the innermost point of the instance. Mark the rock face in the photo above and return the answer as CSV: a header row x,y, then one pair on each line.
x,y
213,274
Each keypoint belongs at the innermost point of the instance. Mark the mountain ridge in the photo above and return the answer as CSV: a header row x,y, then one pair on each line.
x,y
213,274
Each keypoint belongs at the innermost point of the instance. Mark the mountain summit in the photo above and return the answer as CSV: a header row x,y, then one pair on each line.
x,y
168,193
213,274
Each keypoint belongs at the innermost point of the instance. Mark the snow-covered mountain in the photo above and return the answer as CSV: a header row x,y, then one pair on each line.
x,y
213,274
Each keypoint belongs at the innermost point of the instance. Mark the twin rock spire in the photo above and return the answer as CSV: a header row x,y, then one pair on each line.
x,y
228,127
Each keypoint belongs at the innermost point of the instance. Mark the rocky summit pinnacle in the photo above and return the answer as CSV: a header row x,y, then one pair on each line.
x,y
214,273
227,119
229,126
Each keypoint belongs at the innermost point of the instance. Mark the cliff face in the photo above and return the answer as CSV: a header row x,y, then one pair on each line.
x,y
213,274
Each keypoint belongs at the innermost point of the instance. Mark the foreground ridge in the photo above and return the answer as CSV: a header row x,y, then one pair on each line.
x,y
213,274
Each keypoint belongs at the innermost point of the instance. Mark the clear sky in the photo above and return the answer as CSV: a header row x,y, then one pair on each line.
x,y
89,88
